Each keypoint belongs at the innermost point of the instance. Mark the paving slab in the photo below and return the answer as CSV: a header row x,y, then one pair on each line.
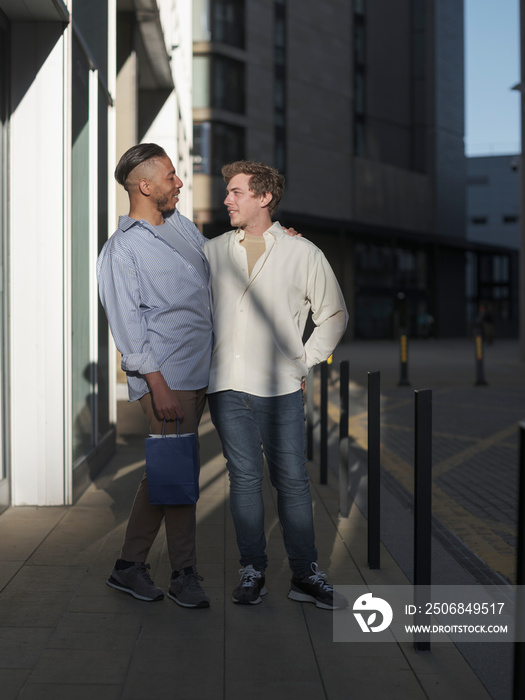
x,y
77,638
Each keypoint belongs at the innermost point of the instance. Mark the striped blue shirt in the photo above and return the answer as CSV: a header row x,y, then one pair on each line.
x,y
158,306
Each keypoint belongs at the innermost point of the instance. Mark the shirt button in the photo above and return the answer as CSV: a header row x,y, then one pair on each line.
x,y
237,356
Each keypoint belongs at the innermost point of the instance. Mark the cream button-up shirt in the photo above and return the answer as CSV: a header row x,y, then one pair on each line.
x,y
259,320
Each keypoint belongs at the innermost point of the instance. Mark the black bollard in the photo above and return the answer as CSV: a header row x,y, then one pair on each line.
x,y
344,405
403,353
422,510
480,373
324,424
519,646
310,412
374,466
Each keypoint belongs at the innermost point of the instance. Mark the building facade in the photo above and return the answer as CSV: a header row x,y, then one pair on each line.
x,y
493,226
361,106
80,81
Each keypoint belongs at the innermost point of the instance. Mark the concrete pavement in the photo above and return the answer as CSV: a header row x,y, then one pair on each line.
x,y
64,634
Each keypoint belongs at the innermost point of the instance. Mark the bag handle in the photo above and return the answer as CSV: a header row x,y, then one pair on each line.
x,y
164,428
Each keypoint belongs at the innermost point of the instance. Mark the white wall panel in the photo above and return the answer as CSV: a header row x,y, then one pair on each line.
x,y
36,265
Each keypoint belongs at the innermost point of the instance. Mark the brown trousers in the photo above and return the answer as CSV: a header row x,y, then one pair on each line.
x,y
180,521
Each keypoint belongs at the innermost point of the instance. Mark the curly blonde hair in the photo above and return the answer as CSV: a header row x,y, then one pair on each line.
x,y
263,179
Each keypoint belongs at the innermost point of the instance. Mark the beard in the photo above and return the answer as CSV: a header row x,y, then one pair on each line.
x,y
164,202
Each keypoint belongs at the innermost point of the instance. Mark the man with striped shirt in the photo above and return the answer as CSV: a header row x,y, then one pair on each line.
x,y
154,284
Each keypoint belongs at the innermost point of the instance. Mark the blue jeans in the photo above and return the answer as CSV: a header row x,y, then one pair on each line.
x,y
249,426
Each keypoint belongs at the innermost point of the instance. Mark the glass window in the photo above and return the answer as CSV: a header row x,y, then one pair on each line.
x,y
102,378
374,264
494,268
218,82
201,81
201,20
501,268
406,261
382,266
411,268
82,369
227,145
228,84
374,316
215,144
202,148
227,22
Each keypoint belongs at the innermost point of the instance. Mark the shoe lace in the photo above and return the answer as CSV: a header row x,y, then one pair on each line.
x,y
142,571
249,576
191,581
319,577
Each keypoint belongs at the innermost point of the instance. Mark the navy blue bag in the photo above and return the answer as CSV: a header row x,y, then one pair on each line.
x,y
172,468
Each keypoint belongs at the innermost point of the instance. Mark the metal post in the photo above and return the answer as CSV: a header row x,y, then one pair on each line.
x,y
374,464
310,415
480,374
344,405
422,509
324,424
521,301
519,646
403,353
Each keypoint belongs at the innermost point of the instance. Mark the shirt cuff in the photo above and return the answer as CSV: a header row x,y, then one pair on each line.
x,y
138,362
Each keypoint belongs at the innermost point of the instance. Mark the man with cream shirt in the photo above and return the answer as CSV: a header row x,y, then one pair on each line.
x,y
264,284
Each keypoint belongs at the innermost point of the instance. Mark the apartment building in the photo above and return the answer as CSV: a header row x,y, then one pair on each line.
x,y
361,105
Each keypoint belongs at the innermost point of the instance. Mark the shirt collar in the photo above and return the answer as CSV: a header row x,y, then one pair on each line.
x,y
275,230
125,222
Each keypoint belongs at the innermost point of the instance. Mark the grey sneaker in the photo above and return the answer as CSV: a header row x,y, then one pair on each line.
x,y
186,590
316,589
136,581
251,587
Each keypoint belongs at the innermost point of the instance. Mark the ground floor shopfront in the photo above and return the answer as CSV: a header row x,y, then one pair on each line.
x,y
62,65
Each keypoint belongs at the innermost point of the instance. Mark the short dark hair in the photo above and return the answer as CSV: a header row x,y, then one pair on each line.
x,y
136,155
263,179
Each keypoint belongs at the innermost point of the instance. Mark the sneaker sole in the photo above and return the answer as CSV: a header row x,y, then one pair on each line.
x,y
263,591
305,598
113,583
201,604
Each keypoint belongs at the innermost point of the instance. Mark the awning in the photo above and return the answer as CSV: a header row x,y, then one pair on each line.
x,y
35,10
157,73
